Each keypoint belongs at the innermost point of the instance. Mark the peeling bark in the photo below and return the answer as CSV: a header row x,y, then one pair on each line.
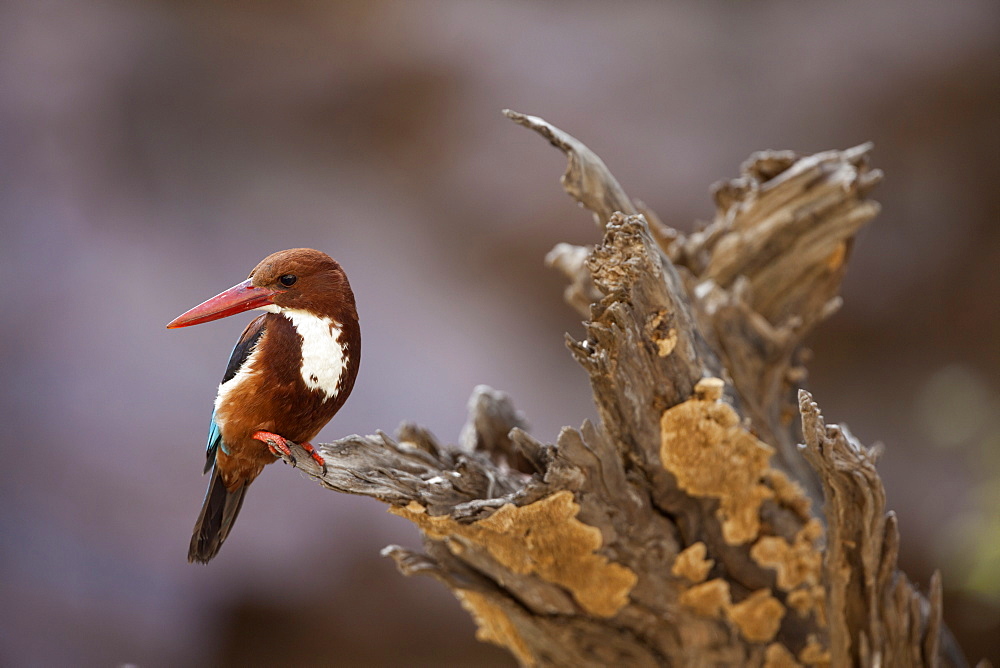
x,y
710,518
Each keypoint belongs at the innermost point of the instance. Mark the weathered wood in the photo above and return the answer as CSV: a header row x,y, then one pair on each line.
x,y
877,617
685,527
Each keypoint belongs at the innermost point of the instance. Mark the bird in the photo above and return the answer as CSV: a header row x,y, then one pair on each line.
x,y
290,372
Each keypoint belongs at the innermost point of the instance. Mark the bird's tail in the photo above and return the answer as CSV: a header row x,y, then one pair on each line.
x,y
218,514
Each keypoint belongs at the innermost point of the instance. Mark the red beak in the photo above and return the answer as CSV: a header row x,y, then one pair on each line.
x,y
237,299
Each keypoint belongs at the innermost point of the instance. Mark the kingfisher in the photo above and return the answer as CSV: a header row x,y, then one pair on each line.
x,y
289,374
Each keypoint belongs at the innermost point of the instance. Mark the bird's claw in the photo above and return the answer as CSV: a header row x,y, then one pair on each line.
x,y
278,445
318,458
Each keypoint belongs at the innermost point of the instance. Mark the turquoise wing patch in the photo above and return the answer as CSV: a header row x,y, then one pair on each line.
x,y
214,442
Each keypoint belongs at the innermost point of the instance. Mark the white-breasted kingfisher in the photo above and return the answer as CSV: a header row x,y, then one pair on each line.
x,y
290,372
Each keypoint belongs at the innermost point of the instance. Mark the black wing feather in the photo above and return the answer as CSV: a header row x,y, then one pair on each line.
x,y
243,348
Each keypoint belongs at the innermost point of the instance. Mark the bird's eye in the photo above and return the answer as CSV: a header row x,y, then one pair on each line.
x,y
288,280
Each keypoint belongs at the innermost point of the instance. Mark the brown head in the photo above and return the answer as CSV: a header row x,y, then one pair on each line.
x,y
298,278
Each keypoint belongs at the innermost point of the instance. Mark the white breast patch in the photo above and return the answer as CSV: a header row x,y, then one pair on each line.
x,y
323,355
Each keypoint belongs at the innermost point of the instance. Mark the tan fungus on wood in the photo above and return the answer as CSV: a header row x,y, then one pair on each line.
x,y
692,564
493,625
809,599
796,563
708,599
544,538
660,332
778,656
704,444
814,653
787,492
758,616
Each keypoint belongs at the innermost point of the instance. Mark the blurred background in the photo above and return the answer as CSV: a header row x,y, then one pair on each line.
x,y
152,152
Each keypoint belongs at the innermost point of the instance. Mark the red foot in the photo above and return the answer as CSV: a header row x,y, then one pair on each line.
x,y
278,445
315,455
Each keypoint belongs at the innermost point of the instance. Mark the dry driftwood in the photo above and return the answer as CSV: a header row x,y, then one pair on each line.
x,y
686,528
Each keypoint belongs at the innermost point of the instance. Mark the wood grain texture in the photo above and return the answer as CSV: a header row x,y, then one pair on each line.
x,y
687,527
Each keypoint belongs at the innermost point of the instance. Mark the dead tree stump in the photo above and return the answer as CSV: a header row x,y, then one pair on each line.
x,y
711,518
